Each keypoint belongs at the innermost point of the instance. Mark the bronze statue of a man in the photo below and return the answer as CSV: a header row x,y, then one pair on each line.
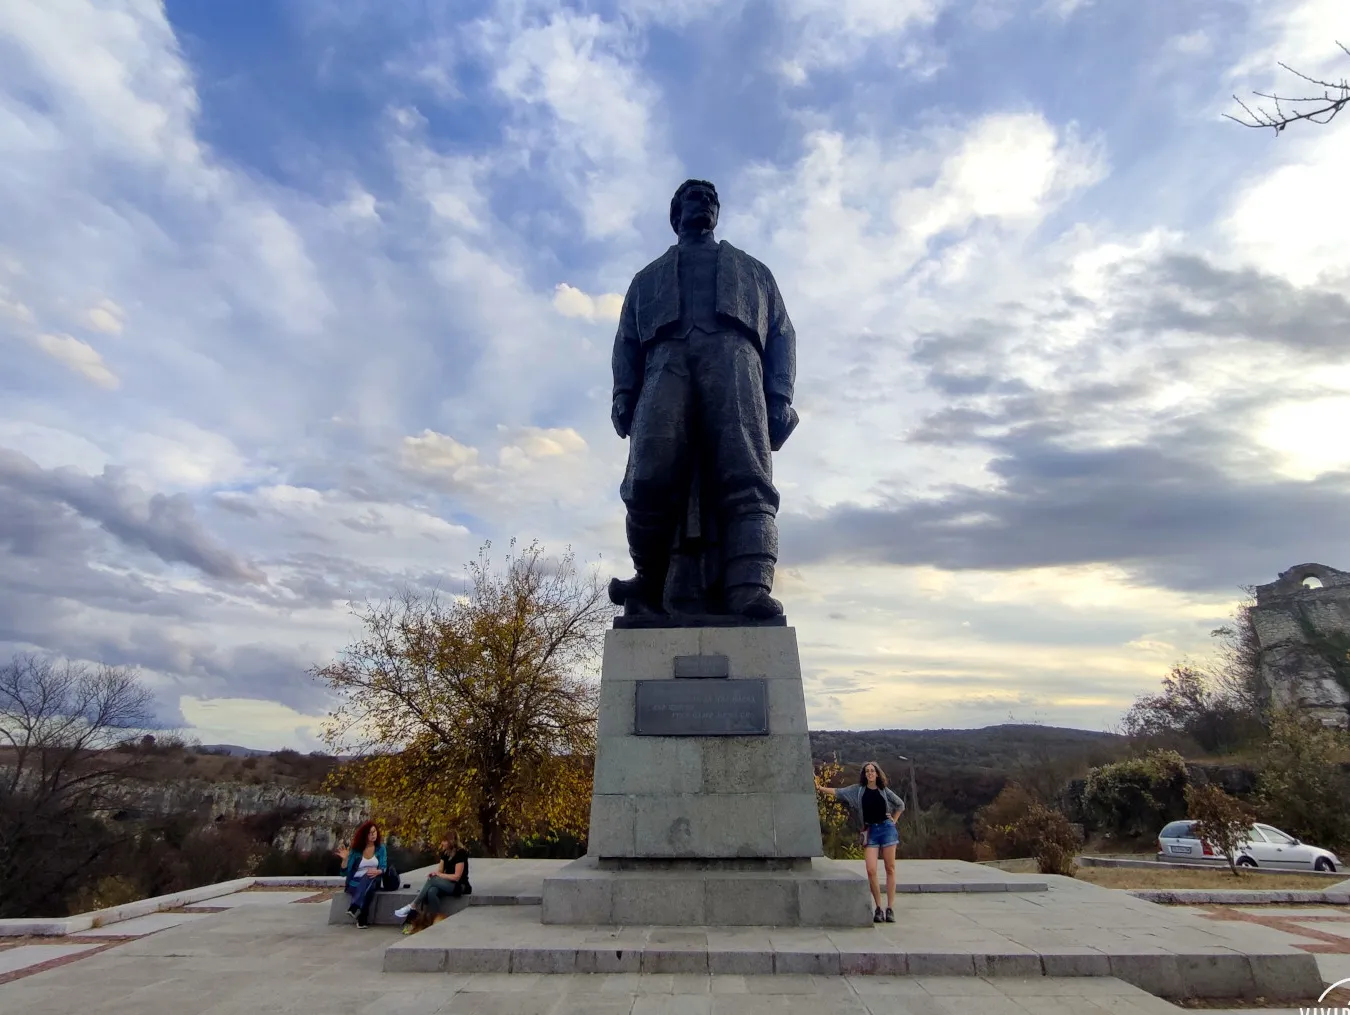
x,y
704,367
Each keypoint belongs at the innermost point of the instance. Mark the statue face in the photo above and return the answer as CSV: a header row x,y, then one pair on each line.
x,y
698,210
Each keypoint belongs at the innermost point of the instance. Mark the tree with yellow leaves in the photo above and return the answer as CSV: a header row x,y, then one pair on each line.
x,y
477,710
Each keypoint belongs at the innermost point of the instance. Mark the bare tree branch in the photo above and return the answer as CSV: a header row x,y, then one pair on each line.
x,y
1313,108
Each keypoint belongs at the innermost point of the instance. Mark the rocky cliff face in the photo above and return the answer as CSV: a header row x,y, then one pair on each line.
x,y
313,821
1302,621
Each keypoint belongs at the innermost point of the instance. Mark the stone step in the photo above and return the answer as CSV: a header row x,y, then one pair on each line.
x,y
513,941
820,893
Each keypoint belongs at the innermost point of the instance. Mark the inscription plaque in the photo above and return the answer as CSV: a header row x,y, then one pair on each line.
x,y
701,708
702,667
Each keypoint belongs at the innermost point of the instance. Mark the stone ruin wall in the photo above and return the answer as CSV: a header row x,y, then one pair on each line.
x,y
1304,633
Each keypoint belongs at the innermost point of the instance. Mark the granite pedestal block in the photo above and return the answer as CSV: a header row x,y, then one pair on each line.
x,y
703,796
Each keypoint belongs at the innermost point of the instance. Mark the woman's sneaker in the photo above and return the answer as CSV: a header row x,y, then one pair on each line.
x,y
403,911
877,917
890,915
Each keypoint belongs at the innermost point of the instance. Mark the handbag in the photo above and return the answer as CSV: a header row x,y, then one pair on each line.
x,y
389,880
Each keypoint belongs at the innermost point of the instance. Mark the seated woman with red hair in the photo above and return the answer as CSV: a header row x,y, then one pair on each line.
x,y
366,863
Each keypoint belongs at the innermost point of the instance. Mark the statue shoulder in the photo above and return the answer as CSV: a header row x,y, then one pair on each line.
x,y
753,264
663,263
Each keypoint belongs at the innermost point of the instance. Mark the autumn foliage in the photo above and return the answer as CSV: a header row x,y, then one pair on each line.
x,y
478,710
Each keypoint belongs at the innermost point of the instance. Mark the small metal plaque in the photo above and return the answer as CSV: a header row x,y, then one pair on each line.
x,y
702,667
702,708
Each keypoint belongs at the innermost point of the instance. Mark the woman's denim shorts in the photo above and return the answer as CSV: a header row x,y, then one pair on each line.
x,y
883,835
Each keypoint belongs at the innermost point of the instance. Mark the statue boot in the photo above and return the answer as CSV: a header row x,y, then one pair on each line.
x,y
644,594
752,552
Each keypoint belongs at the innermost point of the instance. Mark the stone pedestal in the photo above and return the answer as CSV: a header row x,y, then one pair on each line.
x,y
704,829
703,797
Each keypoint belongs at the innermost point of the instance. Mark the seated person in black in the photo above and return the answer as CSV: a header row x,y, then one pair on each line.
x,y
451,880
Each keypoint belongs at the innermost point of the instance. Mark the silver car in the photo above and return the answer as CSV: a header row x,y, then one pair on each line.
x,y
1266,846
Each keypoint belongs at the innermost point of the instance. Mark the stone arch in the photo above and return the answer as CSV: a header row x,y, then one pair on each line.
x,y
1326,576
1290,582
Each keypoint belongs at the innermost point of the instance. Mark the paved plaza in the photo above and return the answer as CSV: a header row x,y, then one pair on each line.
x,y
274,951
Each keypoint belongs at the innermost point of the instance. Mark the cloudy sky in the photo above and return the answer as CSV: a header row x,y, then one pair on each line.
x,y
301,301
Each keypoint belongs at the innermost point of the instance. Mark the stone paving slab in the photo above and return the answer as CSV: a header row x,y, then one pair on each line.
x,y
270,898
1334,967
142,925
25,956
1298,912
1340,929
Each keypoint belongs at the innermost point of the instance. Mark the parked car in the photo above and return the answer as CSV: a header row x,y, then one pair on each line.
x,y
1266,846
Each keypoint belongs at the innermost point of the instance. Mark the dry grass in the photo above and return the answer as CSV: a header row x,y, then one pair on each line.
x,y
1170,877
1140,877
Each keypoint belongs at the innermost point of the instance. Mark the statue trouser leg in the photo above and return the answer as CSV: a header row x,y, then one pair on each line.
x,y
656,480
728,375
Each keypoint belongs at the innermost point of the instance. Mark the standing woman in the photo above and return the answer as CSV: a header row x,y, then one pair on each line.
x,y
879,809
365,863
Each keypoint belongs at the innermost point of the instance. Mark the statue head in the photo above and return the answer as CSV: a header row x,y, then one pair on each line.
x,y
694,207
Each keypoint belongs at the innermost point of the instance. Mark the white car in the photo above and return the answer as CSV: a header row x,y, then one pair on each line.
x,y
1266,846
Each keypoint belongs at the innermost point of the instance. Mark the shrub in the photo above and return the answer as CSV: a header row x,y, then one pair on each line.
x,y
935,834
838,828
997,825
1136,797
1221,820
1054,840
1302,786
113,890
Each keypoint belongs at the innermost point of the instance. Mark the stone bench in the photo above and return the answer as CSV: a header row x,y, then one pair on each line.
x,y
382,911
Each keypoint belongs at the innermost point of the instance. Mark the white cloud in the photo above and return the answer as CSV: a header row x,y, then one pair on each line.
x,y
1064,8
1299,33
531,443
107,74
1279,220
78,356
359,206
585,108
180,455
572,302
523,449
835,33
106,316
251,722
442,456
1309,435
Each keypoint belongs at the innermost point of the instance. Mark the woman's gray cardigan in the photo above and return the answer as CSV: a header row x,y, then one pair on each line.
x,y
853,795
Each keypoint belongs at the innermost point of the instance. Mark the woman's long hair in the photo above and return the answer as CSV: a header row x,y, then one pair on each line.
x,y
862,775
451,838
363,833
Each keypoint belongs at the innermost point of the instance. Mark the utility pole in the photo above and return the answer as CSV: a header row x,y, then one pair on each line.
x,y
913,792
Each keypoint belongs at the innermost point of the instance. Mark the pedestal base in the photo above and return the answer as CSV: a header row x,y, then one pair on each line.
x,y
809,893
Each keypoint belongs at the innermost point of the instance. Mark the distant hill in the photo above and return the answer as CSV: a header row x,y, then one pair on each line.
x,y
993,747
965,769
233,750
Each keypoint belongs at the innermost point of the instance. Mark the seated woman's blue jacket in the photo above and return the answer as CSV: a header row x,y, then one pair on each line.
x,y
354,860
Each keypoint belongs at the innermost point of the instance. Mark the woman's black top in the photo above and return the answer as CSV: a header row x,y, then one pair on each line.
x,y
449,861
873,807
